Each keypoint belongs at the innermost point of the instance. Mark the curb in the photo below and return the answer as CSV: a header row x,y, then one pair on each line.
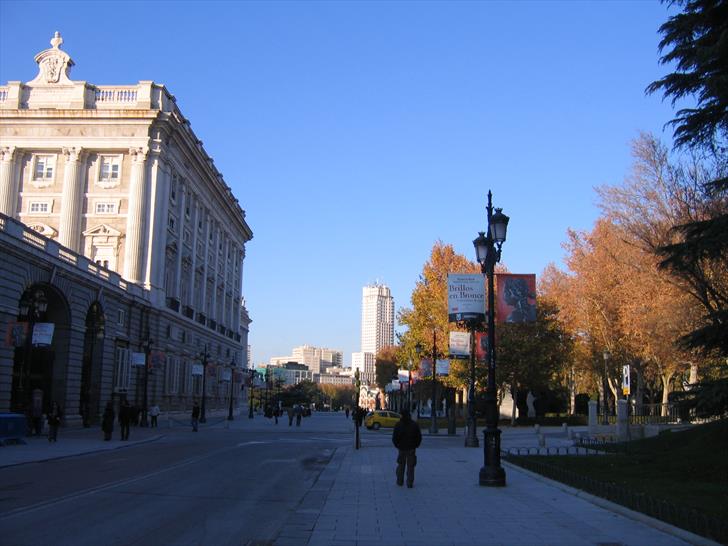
x,y
660,525
69,455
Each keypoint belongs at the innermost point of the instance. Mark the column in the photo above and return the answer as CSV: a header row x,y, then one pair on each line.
x,y
69,231
8,188
180,242
193,222
205,262
136,218
161,175
215,265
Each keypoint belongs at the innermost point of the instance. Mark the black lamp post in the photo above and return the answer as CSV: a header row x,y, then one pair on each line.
x,y
605,386
488,251
250,393
232,380
471,438
32,306
203,356
357,386
147,365
433,412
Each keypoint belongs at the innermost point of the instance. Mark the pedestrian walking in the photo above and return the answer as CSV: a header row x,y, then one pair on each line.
x,y
36,412
406,437
107,421
195,416
54,421
290,416
299,414
154,413
347,412
276,413
125,413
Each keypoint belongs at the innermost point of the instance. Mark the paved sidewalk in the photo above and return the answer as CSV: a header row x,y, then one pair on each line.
x,y
357,503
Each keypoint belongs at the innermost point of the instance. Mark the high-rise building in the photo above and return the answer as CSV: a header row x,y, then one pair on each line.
x,y
377,329
377,318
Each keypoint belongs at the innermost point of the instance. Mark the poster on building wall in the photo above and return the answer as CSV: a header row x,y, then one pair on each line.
x,y
465,297
459,345
138,359
43,333
197,369
481,346
515,297
15,334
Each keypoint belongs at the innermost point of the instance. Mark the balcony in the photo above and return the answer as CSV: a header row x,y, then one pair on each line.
x,y
201,318
173,304
188,311
212,324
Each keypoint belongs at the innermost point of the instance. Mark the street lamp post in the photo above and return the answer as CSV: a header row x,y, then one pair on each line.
x,y
605,387
147,365
357,386
204,355
250,393
488,251
232,380
433,410
471,438
32,306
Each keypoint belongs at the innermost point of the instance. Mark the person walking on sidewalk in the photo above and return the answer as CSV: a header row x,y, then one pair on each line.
x,y
54,421
290,416
195,415
125,419
154,413
299,414
107,422
406,437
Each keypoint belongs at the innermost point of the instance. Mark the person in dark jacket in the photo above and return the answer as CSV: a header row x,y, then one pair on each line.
x,y
54,421
195,415
125,413
107,422
406,437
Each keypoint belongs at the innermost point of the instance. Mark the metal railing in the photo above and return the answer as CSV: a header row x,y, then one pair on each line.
x,y
685,518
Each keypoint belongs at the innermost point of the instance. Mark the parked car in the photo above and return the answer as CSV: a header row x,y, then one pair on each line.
x,y
381,418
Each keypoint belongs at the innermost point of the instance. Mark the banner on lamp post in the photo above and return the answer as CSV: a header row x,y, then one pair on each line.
x,y
138,359
16,334
481,346
197,369
459,345
625,380
465,297
43,333
226,374
516,297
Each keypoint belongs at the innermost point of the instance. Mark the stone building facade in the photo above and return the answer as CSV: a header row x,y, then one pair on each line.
x,y
113,179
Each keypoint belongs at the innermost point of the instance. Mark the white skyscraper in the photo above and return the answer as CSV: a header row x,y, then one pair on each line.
x,y
377,318
377,328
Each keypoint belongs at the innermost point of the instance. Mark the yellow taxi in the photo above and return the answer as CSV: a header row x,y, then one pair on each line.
x,y
381,418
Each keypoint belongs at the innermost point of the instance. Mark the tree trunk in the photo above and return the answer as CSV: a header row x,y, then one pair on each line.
x,y
513,408
666,380
572,392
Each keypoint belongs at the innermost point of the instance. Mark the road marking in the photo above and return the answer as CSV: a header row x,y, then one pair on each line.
x,y
253,442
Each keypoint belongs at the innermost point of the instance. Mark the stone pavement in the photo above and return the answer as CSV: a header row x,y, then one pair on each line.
x,y
357,503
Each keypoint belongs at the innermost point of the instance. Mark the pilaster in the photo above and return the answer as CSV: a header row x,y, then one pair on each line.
x,y
69,231
136,218
8,184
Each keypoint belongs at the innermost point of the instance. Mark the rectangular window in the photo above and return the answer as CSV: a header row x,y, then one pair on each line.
x,y
44,167
172,378
121,369
39,207
105,208
120,317
173,189
110,168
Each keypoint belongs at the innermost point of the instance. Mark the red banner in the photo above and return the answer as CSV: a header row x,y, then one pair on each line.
x,y
515,297
481,346
16,333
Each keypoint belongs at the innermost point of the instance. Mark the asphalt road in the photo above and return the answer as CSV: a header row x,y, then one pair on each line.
x,y
235,486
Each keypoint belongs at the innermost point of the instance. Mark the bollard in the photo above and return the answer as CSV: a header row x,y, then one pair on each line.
x,y
537,428
565,428
541,440
570,434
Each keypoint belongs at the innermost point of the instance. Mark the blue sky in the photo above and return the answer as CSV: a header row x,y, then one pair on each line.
x,y
356,134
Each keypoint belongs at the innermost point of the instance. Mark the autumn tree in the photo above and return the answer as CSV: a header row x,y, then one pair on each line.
x,y
428,313
385,366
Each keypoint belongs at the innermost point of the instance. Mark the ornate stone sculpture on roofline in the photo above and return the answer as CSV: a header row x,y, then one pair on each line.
x,y
54,65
